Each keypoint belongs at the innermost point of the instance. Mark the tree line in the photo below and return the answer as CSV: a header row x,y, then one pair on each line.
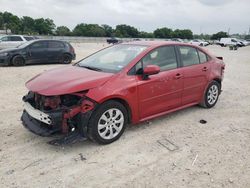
x,y
41,26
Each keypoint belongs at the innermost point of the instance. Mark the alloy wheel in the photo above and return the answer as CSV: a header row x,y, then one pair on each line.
x,y
110,123
212,94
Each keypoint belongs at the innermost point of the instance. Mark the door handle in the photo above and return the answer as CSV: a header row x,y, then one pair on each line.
x,y
204,69
178,76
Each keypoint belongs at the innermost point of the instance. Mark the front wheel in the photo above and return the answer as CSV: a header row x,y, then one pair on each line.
x,y
211,95
108,122
18,61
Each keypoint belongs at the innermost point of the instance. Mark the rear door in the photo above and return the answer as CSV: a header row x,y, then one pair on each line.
x,y
160,92
37,52
196,69
55,51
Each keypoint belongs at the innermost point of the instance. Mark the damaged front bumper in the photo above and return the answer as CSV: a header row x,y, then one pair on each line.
x,y
71,122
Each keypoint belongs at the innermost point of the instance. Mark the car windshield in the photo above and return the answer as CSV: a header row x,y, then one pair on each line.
x,y
112,59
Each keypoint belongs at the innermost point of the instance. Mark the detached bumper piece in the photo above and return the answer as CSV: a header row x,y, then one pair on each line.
x,y
37,127
46,116
42,129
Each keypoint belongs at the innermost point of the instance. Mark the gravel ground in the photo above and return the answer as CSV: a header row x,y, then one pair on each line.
x,y
172,151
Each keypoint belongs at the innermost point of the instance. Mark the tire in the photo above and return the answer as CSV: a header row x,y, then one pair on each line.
x,y
211,95
18,61
66,59
101,124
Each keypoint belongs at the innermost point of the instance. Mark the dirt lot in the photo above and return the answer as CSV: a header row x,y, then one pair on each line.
x,y
215,154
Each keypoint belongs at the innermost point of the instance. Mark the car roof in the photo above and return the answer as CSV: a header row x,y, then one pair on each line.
x,y
47,40
157,43
12,36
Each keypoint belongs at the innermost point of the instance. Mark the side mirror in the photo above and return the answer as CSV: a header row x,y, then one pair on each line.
x,y
150,70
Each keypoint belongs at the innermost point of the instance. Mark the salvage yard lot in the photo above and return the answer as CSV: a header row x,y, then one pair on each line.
x,y
175,150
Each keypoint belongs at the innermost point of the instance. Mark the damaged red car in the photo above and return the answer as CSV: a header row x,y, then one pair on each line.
x,y
126,83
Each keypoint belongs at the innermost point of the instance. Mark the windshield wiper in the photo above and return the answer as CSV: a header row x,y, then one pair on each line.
x,y
91,68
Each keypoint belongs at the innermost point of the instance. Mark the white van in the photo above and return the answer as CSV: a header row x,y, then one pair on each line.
x,y
230,42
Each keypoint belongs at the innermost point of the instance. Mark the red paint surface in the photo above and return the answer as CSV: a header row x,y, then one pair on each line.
x,y
162,93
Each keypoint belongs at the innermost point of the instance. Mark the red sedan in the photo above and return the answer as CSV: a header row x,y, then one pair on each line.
x,y
126,83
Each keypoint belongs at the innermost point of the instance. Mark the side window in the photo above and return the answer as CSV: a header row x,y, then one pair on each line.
x,y
5,39
164,57
189,56
203,57
39,45
15,38
29,38
55,44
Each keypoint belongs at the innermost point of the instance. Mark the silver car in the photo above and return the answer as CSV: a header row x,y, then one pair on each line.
x,y
12,41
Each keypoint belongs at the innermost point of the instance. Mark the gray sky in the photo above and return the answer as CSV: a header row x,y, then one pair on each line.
x,y
201,16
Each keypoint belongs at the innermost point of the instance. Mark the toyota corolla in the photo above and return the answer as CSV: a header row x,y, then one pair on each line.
x,y
123,84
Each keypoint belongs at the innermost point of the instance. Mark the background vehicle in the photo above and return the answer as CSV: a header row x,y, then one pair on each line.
x,y
199,42
38,51
230,41
12,41
125,83
176,40
244,42
113,40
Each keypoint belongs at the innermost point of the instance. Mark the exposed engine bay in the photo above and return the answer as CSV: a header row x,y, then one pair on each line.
x,y
67,114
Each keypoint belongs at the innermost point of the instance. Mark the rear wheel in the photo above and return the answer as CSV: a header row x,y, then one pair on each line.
x,y
66,59
108,122
18,61
211,96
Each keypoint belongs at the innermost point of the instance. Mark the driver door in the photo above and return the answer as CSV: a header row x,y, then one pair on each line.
x,y
37,52
163,91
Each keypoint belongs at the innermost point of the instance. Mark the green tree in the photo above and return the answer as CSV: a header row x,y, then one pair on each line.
x,y
63,31
1,20
219,35
126,31
27,25
247,37
11,22
108,30
183,34
44,26
144,34
163,33
89,30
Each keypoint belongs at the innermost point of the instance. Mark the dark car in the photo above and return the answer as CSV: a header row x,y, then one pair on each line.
x,y
113,40
38,51
125,83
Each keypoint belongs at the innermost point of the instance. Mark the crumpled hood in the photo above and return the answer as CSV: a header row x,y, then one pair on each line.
x,y
65,80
